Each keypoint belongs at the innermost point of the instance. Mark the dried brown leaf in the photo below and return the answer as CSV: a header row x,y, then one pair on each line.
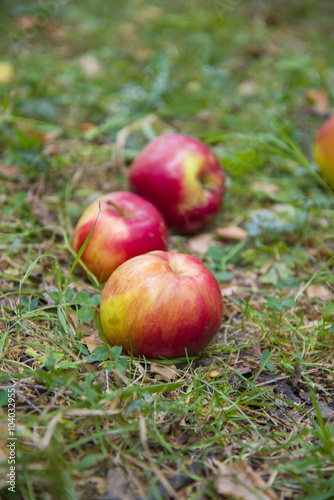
x,y
241,482
265,268
232,233
325,410
73,317
200,243
318,98
319,292
92,341
10,171
228,290
165,372
139,366
246,368
256,349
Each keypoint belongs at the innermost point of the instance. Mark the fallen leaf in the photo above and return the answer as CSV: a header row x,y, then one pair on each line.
x,y
256,350
139,367
6,72
240,481
92,341
318,98
165,372
228,290
200,243
325,410
319,292
90,65
265,187
10,171
244,369
215,373
232,233
266,267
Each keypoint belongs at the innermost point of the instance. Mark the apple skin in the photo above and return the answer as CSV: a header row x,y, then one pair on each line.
x,y
182,177
161,305
134,228
323,150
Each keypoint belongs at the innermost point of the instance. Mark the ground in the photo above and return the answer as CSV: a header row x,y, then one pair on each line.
x,y
84,85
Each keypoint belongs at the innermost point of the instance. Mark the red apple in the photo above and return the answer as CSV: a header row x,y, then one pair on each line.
x,y
127,226
324,150
162,305
182,177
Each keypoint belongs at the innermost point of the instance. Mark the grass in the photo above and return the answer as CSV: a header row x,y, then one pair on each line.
x,y
93,82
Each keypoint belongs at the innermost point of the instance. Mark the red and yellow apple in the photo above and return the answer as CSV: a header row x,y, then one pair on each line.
x,y
323,151
182,177
161,305
127,226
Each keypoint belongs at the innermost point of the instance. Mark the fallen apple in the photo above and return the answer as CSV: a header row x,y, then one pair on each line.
x,y
127,226
323,151
161,305
182,177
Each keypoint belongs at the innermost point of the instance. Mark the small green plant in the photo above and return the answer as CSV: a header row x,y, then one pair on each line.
x,y
86,305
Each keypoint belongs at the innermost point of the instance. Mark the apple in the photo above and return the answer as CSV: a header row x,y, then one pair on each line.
x,y
127,226
161,305
323,151
182,177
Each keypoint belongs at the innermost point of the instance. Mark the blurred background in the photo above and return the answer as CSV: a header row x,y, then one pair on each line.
x,y
84,85
203,67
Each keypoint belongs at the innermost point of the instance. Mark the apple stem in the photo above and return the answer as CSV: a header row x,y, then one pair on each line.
x,y
119,210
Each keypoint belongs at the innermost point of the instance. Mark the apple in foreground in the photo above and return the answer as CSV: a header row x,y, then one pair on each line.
x,y
127,226
182,177
323,151
161,305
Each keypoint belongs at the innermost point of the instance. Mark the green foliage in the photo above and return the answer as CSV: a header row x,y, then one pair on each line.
x,y
283,219
220,257
275,304
264,360
25,151
88,305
